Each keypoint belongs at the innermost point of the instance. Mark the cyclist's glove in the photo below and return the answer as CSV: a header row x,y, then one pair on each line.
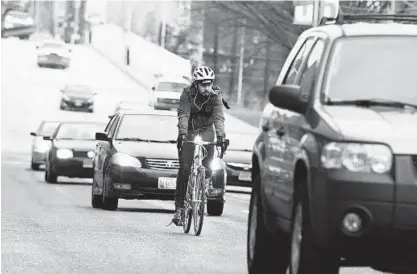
x,y
180,141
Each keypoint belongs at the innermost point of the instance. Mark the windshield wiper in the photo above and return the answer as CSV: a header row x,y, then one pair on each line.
x,y
372,102
146,140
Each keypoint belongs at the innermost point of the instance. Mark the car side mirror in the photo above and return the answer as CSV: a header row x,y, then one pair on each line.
x,y
47,138
33,134
289,97
101,136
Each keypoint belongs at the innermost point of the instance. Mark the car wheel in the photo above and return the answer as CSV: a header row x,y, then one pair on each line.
x,y
109,203
215,207
266,253
96,200
50,175
305,256
34,166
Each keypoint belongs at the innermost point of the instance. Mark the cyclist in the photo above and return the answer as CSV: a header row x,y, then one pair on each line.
x,y
201,107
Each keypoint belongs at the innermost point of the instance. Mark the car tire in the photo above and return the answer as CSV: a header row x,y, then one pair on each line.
x,y
96,200
266,253
311,259
34,166
108,203
215,207
50,175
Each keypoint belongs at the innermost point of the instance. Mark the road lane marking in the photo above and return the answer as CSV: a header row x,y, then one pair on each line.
x,y
13,163
59,189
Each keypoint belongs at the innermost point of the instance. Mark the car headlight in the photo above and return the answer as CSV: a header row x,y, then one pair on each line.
x,y
64,153
216,164
123,159
357,157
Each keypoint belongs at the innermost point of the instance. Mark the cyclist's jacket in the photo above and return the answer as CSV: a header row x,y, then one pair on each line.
x,y
196,111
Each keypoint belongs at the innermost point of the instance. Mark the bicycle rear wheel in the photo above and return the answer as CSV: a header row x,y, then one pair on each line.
x,y
199,201
188,205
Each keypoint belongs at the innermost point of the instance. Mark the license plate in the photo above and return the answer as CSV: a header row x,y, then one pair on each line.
x,y
245,176
167,183
88,163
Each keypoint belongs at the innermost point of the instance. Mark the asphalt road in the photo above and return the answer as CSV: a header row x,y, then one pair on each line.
x,y
52,228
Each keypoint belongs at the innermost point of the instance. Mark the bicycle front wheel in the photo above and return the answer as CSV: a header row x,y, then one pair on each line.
x,y
199,201
188,205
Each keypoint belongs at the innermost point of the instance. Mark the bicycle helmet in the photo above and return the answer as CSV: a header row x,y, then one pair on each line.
x,y
204,74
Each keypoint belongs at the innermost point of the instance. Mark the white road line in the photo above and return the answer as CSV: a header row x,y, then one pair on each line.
x,y
59,189
13,163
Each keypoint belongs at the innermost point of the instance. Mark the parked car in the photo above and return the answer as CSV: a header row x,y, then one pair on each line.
x,y
17,23
133,105
72,150
167,92
40,147
77,97
137,158
335,167
54,53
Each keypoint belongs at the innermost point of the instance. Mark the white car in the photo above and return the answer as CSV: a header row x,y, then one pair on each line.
x,y
167,92
54,53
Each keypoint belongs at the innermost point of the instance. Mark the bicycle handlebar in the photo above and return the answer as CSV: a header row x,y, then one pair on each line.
x,y
203,143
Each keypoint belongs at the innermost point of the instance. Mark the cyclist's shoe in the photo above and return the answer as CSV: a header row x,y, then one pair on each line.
x,y
177,220
209,186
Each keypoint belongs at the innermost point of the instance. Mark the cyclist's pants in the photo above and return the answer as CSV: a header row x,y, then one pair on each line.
x,y
186,160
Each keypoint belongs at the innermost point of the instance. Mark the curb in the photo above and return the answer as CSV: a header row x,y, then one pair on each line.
x,y
122,69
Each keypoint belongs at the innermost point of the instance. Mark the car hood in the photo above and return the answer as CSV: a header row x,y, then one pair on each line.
x,y
239,157
83,145
167,94
60,52
397,128
148,150
241,141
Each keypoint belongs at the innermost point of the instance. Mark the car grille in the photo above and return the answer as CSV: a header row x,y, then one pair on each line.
x,y
168,101
239,166
81,154
162,164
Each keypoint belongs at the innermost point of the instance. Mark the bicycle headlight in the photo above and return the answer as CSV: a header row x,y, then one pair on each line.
x,y
122,159
198,139
64,153
357,157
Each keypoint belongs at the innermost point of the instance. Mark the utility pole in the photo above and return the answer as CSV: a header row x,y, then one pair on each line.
x,y
241,64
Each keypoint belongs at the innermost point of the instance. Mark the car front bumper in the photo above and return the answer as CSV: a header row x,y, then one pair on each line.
x,y
76,167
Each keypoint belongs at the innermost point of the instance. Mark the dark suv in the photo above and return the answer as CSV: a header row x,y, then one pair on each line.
x,y
335,166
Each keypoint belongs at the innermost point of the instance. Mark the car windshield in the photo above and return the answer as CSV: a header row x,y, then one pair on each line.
x,y
49,128
171,86
75,131
382,67
78,89
148,127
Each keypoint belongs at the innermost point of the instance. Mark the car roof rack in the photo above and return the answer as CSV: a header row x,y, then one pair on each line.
x,y
359,17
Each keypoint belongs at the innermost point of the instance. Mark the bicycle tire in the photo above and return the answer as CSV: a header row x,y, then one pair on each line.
x,y
188,206
199,207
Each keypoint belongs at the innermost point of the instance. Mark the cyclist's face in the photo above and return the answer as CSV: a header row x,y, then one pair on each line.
x,y
205,88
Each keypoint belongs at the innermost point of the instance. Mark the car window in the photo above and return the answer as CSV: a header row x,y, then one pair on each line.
x,y
75,131
150,127
113,127
48,128
369,67
311,66
171,86
295,67
110,123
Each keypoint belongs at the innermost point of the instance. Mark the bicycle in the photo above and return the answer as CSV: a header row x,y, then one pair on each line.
x,y
195,196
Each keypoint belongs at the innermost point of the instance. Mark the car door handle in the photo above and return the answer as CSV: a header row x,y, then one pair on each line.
x,y
280,131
